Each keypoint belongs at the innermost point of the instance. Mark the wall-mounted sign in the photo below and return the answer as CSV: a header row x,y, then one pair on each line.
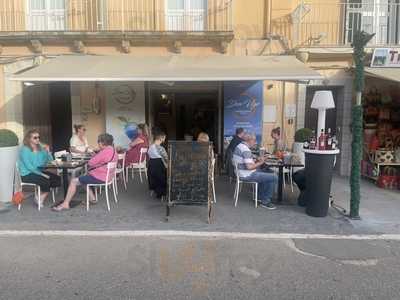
x,y
386,58
243,107
125,109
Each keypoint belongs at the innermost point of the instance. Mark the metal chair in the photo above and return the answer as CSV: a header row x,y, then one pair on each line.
x,y
120,170
239,182
110,181
36,187
141,166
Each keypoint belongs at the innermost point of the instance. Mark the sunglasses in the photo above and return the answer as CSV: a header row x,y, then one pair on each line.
x,y
36,137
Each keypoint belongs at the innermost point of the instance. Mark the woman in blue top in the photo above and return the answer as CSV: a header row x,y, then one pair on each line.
x,y
32,158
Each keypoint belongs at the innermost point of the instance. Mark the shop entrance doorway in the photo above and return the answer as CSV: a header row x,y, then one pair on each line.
x,y
183,114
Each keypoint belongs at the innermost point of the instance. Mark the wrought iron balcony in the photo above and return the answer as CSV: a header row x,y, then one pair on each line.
x,y
334,23
115,15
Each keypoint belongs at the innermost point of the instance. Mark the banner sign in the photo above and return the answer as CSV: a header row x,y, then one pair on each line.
x,y
243,107
125,109
386,58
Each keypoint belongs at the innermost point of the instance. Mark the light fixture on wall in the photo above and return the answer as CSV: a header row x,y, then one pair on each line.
x,y
27,83
322,101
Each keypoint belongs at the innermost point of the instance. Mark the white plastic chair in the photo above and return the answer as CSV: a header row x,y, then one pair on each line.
x,y
289,173
238,187
141,166
110,181
120,170
212,179
36,188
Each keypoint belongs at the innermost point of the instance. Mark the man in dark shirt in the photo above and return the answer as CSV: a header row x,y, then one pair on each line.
x,y
237,139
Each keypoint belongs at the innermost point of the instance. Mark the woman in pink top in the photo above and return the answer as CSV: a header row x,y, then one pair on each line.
x,y
97,172
141,141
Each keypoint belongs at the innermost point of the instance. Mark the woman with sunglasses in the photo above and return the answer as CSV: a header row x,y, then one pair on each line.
x,y
33,158
78,142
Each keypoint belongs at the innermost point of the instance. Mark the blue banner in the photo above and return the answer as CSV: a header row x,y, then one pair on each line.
x,y
243,107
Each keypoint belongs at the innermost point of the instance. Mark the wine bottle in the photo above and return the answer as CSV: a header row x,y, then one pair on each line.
x,y
322,141
329,140
313,141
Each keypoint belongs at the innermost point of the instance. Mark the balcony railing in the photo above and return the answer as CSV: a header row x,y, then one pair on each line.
x,y
333,23
113,15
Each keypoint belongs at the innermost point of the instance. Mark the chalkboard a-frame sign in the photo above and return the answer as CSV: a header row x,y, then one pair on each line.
x,y
189,174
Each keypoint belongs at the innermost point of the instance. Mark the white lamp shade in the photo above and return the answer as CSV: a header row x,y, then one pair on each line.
x,y
323,100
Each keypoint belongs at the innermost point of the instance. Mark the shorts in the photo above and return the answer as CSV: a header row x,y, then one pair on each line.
x,y
87,179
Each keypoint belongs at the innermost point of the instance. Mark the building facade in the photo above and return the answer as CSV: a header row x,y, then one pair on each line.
x,y
318,33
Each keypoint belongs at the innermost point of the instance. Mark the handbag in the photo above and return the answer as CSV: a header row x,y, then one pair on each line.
x,y
103,164
18,196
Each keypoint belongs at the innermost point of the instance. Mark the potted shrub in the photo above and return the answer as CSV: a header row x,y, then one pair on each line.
x,y
8,158
301,135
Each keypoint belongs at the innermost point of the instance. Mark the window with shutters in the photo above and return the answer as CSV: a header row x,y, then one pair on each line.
x,y
186,15
46,15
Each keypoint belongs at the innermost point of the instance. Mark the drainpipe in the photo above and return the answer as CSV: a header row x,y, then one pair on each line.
x,y
267,17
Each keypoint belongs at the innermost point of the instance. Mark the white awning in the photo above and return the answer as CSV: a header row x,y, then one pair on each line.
x,y
392,74
169,68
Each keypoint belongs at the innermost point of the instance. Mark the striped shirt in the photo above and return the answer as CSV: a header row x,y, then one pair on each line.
x,y
242,156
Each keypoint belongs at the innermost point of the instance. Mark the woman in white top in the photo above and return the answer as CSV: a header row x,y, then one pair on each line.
x,y
78,143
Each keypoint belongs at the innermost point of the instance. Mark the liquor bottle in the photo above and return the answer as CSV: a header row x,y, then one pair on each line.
x,y
329,140
306,145
313,141
322,141
334,143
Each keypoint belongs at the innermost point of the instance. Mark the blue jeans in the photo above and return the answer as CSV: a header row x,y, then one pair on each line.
x,y
266,184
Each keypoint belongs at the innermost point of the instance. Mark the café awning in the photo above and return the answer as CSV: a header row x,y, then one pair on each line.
x,y
392,74
169,68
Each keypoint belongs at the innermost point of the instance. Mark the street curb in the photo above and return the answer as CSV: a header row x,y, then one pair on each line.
x,y
193,234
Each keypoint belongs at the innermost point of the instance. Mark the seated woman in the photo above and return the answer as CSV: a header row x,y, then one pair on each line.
x,y
97,170
32,158
141,141
157,165
78,142
279,145
204,138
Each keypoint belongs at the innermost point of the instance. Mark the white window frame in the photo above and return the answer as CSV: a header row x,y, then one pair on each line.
x,y
375,9
186,19
46,19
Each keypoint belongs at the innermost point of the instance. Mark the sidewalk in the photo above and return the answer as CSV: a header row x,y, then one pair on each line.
x,y
136,210
379,208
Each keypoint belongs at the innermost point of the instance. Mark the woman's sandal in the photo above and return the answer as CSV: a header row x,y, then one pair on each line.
x,y
59,208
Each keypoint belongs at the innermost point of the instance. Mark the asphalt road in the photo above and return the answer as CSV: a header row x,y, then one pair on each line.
x,y
197,268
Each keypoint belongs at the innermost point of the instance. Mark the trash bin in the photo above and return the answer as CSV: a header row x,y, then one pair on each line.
x,y
318,171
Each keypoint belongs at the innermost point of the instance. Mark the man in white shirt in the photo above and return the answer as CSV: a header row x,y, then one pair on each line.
x,y
248,170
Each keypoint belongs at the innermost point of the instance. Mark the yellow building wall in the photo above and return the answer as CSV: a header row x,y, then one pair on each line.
x,y
249,19
12,15
3,114
94,123
281,23
252,21
279,94
325,20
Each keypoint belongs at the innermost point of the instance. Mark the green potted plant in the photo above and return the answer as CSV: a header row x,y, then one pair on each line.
x,y
301,135
8,158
